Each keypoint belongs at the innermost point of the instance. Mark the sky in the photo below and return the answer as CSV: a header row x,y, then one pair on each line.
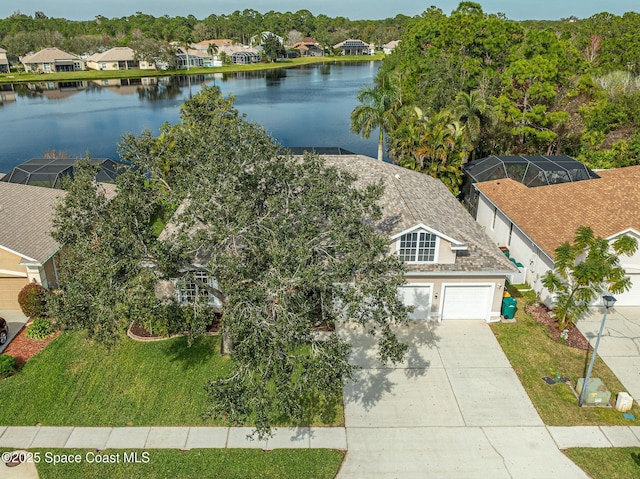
x,y
353,9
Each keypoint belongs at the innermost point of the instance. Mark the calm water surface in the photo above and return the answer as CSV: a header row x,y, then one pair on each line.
x,y
304,106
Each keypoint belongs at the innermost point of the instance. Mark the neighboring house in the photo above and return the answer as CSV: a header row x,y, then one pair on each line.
x,y
533,221
241,55
308,47
214,60
50,172
27,250
354,47
388,48
118,58
4,62
52,60
257,40
454,270
191,57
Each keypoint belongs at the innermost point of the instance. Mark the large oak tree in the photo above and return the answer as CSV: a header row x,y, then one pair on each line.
x,y
291,243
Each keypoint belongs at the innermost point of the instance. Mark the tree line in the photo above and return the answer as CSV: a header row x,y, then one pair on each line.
x,y
472,84
21,33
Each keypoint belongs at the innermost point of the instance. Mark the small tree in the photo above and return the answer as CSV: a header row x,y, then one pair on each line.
x,y
33,300
585,269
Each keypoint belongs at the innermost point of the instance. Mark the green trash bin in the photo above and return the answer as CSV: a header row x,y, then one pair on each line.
x,y
509,307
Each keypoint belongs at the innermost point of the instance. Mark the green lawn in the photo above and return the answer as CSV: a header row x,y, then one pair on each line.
x,y
607,463
200,463
136,73
77,382
534,355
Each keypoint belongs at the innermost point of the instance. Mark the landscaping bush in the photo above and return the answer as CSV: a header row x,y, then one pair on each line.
x,y
40,329
8,366
33,300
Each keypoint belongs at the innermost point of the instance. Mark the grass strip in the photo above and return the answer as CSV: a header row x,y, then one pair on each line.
x,y
200,463
533,354
607,463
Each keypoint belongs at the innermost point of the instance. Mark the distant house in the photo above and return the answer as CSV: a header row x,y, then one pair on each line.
x,y
212,59
190,57
531,221
388,48
259,38
241,55
52,60
27,250
4,61
118,58
308,47
354,47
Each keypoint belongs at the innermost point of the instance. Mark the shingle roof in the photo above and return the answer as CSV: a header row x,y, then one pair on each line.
x,y
48,55
25,220
550,215
113,55
412,198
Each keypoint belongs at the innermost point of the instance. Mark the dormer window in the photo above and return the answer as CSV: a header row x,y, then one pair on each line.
x,y
418,247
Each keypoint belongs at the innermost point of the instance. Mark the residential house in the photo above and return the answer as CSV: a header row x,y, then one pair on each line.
x,y
118,58
4,62
533,221
52,60
27,250
258,39
190,57
354,47
454,270
388,48
308,47
215,59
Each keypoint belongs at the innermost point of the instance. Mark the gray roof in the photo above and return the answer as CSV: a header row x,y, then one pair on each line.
x,y
113,55
49,55
411,199
25,220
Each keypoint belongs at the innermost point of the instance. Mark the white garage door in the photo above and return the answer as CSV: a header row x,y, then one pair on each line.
x,y
631,297
419,297
466,302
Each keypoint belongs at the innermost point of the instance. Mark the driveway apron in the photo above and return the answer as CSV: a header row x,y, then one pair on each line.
x,y
453,409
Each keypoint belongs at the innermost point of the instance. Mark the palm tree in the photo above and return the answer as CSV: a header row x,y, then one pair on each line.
x,y
476,115
212,50
377,111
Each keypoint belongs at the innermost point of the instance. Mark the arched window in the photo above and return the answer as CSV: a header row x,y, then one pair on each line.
x,y
418,247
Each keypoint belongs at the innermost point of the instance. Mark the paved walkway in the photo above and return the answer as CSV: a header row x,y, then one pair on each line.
x,y
454,409
620,344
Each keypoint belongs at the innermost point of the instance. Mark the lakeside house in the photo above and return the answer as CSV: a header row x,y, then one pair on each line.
x,y
52,60
354,47
4,62
117,58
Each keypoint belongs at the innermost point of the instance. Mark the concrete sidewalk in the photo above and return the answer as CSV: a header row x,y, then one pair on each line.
x,y
184,438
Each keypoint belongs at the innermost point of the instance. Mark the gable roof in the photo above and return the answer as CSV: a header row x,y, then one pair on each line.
x,y
25,220
49,55
411,199
113,55
550,215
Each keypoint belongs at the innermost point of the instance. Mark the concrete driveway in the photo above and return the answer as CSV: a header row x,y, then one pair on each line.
x,y
15,320
620,344
454,409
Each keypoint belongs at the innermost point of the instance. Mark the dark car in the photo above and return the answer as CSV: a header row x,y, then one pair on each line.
x,y
4,331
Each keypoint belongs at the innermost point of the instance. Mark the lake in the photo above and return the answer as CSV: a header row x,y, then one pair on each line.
x,y
304,106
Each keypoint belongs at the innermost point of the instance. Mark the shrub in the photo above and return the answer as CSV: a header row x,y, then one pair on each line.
x,y
40,329
8,365
33,299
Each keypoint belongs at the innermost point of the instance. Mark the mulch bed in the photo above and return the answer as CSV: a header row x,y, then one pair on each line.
x,y
23,348
575,339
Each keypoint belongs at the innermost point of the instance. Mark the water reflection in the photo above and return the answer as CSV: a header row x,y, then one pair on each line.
x,y
304,106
